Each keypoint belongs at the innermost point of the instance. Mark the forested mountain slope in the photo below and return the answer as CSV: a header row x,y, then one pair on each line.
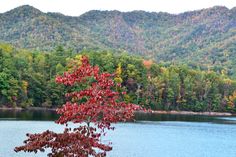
x,y
28,79
204,38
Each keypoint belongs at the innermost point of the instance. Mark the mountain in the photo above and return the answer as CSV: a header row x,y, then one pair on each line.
x,y
204,38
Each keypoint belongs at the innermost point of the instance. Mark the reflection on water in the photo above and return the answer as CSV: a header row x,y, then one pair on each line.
x,y
185,118
50,115
41,115
172,117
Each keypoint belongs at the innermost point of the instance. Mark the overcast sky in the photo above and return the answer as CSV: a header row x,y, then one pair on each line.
x,y
78,7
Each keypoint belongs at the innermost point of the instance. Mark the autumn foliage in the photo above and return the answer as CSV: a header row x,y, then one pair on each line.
x,y
231,100
93,104
147,63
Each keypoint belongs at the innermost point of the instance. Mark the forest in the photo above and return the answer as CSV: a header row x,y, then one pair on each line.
x,y
203,39
27,78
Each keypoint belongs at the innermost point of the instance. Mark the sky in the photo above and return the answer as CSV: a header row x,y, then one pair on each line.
x,y
78,7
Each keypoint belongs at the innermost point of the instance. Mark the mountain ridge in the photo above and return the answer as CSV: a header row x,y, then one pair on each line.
x,y
204,37
29,7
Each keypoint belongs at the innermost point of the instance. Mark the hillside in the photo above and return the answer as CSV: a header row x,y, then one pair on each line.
x,y
203,39
28,79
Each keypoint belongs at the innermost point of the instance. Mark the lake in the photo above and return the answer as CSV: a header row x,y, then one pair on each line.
x,y
150,136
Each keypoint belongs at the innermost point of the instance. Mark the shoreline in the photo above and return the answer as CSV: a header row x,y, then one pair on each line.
x,y
29,108
152,112
192,113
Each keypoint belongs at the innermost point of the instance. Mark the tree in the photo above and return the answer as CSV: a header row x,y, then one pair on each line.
x,y
92,100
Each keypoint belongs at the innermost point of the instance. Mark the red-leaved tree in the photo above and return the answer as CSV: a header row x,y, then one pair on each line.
x,y
93,104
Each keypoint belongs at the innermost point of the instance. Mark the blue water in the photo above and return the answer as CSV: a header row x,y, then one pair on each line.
x,y
141,139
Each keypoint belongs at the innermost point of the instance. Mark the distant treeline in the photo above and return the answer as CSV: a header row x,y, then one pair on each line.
x,y
28,79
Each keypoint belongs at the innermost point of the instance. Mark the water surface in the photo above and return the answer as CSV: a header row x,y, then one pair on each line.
x,y
150,136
